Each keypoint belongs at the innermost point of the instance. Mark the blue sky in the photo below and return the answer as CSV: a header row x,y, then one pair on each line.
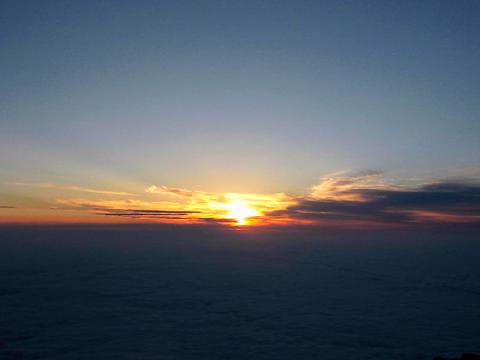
x,y
251,96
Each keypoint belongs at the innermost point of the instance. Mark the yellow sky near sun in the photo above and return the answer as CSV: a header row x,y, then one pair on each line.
x,y
72,203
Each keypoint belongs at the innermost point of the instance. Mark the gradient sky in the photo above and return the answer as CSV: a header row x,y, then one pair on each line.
x,y
246,97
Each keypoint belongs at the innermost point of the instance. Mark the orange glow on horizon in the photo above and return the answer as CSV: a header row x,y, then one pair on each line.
x,y
64,204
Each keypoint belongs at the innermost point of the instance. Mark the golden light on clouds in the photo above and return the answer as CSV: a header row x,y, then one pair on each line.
x,y
241,208
362,198
183,206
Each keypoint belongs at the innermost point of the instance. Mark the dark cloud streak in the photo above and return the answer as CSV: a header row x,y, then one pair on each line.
x,y
166,214
392,205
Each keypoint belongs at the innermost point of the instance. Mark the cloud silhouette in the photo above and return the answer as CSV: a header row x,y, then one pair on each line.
x,y
180,214
440,202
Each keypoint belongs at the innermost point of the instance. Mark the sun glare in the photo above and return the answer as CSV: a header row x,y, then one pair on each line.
x,y
240,211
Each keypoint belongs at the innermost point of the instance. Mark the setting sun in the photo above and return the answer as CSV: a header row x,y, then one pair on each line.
x,y
240,211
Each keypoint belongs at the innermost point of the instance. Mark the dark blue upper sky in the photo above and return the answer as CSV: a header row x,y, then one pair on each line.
x,y
236,96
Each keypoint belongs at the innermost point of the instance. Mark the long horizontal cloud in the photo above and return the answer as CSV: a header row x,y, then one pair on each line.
x,y
148,213
72,188
181,217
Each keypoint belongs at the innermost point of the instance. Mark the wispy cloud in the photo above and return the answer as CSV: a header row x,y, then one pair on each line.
x,y
173,191
6,207
72,188
342,186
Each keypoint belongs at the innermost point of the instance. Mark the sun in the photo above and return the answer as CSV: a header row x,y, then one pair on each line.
x,y
240,211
